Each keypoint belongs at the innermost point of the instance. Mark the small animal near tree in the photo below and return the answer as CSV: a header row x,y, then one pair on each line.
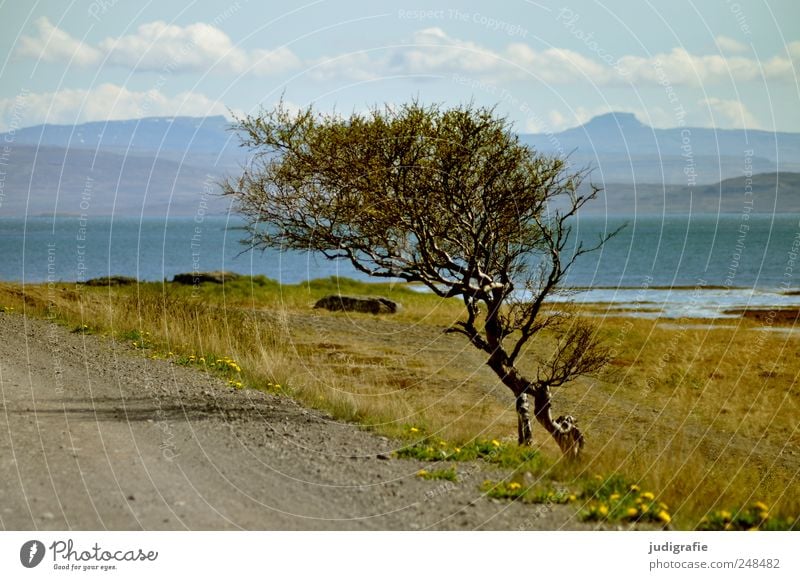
x,y
446,197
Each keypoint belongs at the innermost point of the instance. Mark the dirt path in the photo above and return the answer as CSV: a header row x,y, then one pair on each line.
x,y
93,436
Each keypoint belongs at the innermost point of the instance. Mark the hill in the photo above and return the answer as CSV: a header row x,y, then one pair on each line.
x,y
161,164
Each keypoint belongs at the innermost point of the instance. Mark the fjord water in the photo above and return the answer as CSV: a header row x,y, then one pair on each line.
x,y
739,251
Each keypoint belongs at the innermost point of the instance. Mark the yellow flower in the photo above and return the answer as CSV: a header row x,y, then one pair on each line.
x,y
458,449
760,505
663,506
602,510
422,473
763,515
572,497
634,487
414,430
442,443
664,517
170,353
725,515
495,442
632,512
203,359
614,497
514,486
648,496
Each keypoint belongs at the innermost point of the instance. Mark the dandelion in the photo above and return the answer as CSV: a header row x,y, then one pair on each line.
x,y
572,497
648,496
514,486
632,512
458,450
725,515
442,443
170,353
763,515
203,360
614,497
422,473
663,506
664,516
603,510
634,488
760,505
495,442
413,430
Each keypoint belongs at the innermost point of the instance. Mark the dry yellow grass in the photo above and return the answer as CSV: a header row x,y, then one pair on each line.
x,y
706,417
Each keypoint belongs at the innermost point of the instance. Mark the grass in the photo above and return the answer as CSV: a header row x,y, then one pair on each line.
x,y
445,474
706,418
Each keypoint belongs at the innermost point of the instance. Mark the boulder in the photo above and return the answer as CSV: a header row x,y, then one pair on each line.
x,y
368,304
192,278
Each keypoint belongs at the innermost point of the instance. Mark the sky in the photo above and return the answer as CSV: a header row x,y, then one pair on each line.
x,y
547,66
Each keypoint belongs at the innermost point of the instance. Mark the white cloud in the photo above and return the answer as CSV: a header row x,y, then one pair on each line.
x,y
729,114
433,51
105,102
202,47
158,46
51,44
728,44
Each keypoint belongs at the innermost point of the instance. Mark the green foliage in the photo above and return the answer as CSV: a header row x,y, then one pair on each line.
x,y
753,517
446,474
492,451
503,489
549,494
613,499
139,339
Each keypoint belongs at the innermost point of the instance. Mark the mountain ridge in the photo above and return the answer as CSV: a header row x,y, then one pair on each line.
x,y
158,164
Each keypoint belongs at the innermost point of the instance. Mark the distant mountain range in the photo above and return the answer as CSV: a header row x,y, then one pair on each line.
x,y
156,165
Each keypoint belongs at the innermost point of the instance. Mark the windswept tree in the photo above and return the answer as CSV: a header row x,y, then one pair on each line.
x,y
448,198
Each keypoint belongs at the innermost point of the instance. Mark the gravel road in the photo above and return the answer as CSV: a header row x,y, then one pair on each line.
x,y
94,436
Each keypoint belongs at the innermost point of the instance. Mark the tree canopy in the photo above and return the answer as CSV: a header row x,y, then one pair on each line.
x,y
446,197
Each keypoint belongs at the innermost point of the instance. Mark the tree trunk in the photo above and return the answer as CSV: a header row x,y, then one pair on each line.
x,y
563,429
524,434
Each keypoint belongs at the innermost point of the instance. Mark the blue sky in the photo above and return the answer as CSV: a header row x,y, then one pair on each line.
x,y
547,66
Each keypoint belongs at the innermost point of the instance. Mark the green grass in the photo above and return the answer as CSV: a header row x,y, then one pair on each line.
x,y
506,455
401,376
753,517
446,474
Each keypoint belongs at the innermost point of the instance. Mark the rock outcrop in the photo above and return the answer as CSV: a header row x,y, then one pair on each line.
x,y
368,304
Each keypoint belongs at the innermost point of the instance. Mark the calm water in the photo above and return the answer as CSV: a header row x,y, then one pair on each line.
x,y
649,252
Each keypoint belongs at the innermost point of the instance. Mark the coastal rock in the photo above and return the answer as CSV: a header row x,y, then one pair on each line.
x,y
368,304
111,281
217,277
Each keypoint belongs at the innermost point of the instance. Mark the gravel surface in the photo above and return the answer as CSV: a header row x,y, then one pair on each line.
x,y
94,435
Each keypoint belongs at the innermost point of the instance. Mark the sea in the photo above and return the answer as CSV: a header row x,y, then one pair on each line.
x,y
697,265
